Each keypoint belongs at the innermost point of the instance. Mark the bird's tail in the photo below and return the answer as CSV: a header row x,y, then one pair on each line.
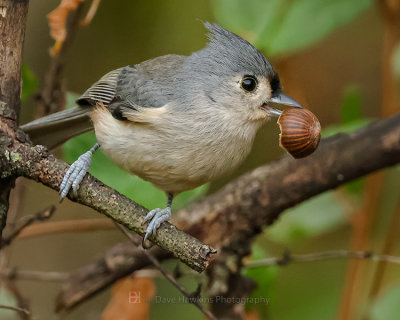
x,y
54,129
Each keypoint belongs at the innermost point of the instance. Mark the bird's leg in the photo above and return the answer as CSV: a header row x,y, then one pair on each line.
x,y
157,216
76,172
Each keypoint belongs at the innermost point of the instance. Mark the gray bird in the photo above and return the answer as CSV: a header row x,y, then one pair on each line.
x,y
176,121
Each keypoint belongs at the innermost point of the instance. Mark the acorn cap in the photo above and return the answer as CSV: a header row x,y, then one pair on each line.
x,y
300,132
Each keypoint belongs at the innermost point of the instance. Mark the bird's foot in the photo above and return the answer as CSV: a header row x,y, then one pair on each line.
x,y
157,216
75,173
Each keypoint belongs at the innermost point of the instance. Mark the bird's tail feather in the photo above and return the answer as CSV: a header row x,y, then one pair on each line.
x,y
54,129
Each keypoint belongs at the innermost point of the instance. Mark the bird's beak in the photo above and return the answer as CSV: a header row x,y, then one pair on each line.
x,y
283,100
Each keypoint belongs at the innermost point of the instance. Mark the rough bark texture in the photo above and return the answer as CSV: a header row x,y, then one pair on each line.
x,y
256,199
12,25
230,218
19,158
37,163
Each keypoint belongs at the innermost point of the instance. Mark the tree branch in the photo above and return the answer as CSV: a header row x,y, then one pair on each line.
x,y
231,218
34,275
37,163
193,300
118,262
288,258
67,226
12,26
53,89
17,309
234,215
39,216
257,199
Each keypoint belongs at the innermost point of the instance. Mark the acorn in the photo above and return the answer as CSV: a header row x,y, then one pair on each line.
x,y
300,132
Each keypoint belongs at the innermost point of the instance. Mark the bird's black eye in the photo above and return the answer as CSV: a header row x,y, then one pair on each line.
x,y
249,83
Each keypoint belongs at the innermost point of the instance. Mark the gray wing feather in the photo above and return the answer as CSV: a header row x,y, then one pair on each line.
x,y
57,128
147,84
150,83
103,90
128,89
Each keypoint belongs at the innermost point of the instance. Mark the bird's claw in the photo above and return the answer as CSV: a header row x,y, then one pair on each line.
x,y
74,175
156,217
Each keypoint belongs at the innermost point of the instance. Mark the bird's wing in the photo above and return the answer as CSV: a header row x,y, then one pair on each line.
x,y
136,93
132,91
103,91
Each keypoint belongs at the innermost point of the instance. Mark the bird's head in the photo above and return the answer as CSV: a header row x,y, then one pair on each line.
x,y
231,73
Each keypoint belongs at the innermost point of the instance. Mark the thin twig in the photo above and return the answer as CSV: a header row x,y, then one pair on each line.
x,y
78,225
90,14
53,91
171,278
16,203
34,275
22,302
392,237
17,309
40,216
239,209
13,24
288,258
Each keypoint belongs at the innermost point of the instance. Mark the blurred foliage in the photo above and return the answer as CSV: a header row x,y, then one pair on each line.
x,y
7,299
281,27
178,307
351,105
277,27
396,62
351,120
108,172
345,128
29,82
387,306
350,114
265,278
308,219
325,212
319,215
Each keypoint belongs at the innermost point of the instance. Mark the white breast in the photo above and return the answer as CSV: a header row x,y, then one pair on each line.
x,y
176,152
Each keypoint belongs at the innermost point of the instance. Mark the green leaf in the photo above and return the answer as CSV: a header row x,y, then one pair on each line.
x,y
351,105
279,27
387,306
108,172
351,114
351,120
355,187
345,128
308,21
253,19
308,219
29,82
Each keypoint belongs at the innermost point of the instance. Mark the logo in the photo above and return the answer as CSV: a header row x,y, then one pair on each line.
x,y
134,297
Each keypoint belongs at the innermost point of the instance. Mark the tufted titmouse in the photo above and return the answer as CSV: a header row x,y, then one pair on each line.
x,y
176,121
